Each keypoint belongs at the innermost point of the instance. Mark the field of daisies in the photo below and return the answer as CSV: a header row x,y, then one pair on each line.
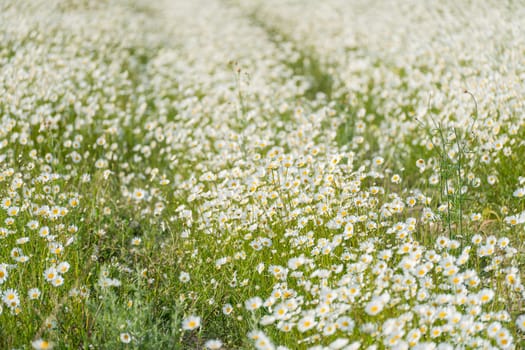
x,y
262,174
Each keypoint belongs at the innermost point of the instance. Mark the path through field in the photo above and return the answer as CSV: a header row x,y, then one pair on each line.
x,y
249,174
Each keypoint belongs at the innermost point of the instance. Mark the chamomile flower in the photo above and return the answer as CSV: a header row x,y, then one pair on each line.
x,y
33,293
125,338
519,193
520,322
191,323
10,298
253,304
57,281
3,273
213,344
41,344
184,277
485,296
50,273
63,267
139,194
227,309
375,306
306,323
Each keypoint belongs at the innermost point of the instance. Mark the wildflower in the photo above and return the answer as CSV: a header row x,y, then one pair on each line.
x,y
306,323
190,323
3,273
339,343
33,293
378,161
13,211
22,240
328,330
413,337
44,231
213,344
503,242
74,202
442,242
139,194
477,239
57,281
125,337
345,323
267,320
263,343
63,267
41,344
280,311
475,216
493,329
16,253
504,339
515,219
33,224
374,307
519,193
227,309
485,295
6,203
520,322
106,282
436,332
492,179
184,277
11,298
396,179
253,304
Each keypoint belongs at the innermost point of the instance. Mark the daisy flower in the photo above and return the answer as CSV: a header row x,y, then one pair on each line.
x,y
42,344
125,337
190,323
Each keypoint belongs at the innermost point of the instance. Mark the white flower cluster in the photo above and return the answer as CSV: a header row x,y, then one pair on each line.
x,y
333,175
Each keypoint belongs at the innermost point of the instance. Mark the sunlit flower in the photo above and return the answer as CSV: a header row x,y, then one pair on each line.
x,y
41,344
125,338
253,304
190,323
213,344
306,323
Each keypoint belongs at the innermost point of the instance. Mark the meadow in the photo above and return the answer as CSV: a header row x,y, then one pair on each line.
x,y
262,174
